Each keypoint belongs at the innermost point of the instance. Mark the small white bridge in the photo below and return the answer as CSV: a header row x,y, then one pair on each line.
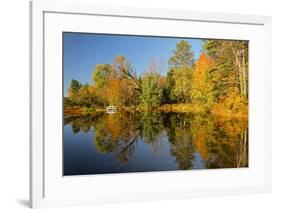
x,y
111,109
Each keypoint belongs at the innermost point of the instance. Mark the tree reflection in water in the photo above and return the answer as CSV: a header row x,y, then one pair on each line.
x,y
220,142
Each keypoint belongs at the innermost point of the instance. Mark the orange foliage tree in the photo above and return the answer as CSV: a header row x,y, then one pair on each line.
x,y
202,85
119,92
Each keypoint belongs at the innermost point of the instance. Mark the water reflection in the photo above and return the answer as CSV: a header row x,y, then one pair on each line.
x,y
148,141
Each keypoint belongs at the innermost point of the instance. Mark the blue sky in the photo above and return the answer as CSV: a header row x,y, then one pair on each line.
x,y
82,51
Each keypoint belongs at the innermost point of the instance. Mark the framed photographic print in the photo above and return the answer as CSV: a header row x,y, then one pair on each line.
x,y
135,104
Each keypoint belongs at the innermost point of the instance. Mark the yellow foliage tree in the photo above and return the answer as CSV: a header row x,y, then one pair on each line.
x,y
202,85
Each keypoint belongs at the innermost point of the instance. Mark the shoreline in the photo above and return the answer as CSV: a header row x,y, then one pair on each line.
x,y
174,108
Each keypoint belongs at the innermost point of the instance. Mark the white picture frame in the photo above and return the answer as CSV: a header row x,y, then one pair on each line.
x,y
49,188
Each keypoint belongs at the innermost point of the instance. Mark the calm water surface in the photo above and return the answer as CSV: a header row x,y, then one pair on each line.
x,y
139,142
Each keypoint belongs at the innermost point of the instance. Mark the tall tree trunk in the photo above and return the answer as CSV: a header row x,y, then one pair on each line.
x,y
245,147
244,73
240,68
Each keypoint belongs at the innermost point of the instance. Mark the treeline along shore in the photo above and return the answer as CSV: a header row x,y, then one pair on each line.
x,y
216,82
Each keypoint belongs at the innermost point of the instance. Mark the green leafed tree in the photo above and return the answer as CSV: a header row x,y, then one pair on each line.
x,y
182,85
229,74
182,55
75,86
230,65
151,94
210,47
179,77
202,85
101,73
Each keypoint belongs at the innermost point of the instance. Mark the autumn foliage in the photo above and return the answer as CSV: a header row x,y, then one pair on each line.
x,y
216,82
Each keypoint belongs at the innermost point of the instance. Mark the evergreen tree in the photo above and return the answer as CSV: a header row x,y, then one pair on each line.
x,y
182,56
151,92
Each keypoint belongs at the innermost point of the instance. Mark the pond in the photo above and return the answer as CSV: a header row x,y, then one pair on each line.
x,y
152,141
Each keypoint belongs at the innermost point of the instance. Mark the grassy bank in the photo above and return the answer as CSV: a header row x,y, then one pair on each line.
x,y
183,108
77,111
